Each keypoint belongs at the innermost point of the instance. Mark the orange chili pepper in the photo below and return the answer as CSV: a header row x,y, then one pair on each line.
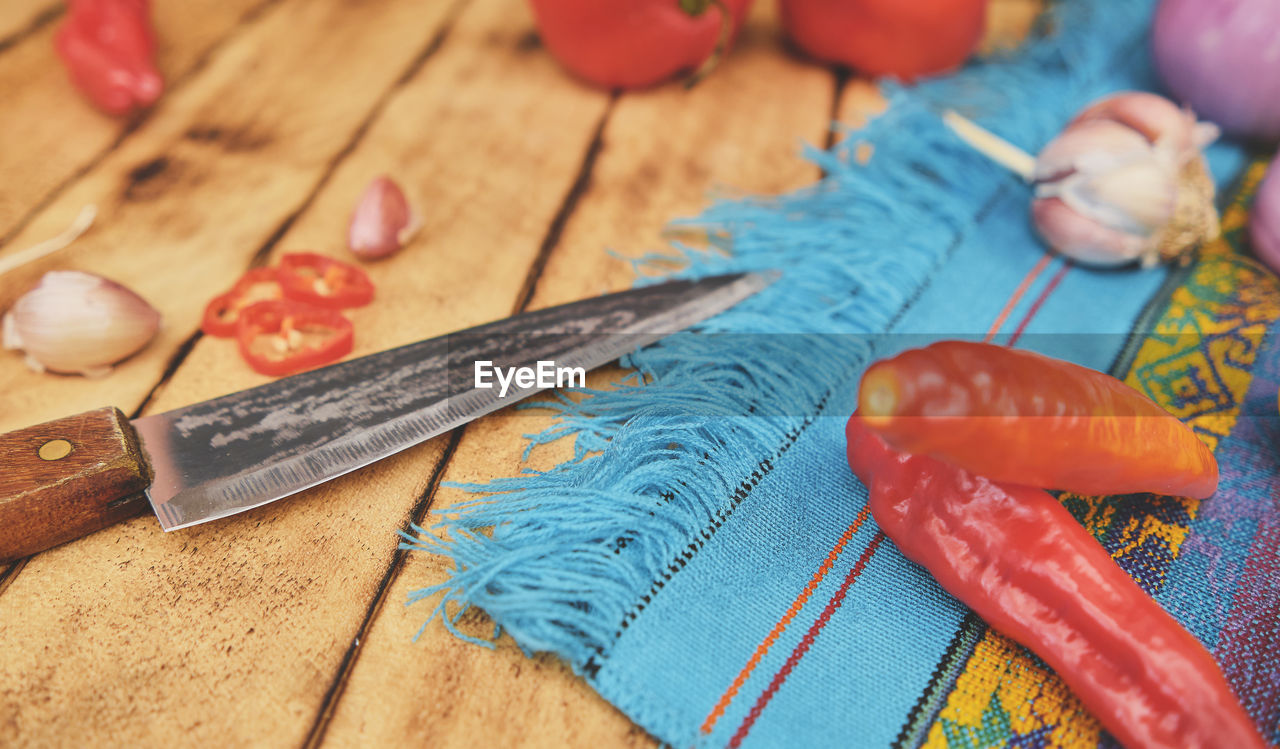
x,y
1019,417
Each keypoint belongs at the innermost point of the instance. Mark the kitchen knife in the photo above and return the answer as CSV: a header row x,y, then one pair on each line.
x,y
67,478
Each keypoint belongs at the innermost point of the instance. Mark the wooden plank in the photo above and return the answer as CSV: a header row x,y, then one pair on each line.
x,y
61,134
669,150
662,151
657,161
19,17
1009,22
231,633
187,201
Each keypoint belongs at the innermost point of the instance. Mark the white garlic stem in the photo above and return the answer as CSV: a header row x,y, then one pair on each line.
x,y
82,223
991,145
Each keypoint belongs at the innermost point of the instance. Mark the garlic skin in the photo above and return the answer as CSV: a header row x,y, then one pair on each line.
x,y
382,222
79,323
1127,181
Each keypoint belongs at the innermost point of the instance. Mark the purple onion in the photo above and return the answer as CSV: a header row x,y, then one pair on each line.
x,y
1264,224
1222,57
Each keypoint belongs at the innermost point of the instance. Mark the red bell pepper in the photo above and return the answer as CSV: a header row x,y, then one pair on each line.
x,y
1018,417
109,50
1016,557
323,281
901,38
636,43
280,337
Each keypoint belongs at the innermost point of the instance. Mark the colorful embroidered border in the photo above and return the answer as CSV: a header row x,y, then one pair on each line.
x,y
1197,363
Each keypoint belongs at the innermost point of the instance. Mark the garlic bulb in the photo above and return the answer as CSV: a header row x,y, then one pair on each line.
x,y
1125,181
78,323
382,222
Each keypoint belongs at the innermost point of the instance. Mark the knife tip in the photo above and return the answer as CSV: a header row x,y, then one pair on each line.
x,y
762,279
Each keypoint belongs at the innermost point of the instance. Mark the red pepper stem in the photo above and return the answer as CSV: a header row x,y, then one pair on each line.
x,y
697,8
1021,561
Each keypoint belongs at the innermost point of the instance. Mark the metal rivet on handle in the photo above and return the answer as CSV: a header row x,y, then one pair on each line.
x,y
54,450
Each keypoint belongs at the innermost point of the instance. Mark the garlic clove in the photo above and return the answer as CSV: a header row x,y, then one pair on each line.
x,y
1093,146
1155,118
383,222
1108,174
78,323
1084,239
1137,198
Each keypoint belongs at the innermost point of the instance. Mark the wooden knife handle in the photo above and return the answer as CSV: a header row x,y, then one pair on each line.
x,y
68,478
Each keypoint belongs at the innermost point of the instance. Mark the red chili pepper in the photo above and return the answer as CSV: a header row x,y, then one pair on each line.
x,y
281,337
902,38
1021,418
108,47
636,43
316,279
223,312
1016,557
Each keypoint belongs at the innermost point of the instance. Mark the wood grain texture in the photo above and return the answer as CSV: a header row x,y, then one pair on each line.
x,y
668,150
67,478
188,200
661,152
60,133
257,612
285,625
18,18
1008,24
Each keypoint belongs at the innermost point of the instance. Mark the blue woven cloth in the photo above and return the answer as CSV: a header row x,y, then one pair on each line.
x,y
712,571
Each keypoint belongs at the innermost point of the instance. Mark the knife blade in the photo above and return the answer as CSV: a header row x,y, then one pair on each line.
x,y
69,477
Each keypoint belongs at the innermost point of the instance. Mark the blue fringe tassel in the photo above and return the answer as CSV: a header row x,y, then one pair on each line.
x,y
559,558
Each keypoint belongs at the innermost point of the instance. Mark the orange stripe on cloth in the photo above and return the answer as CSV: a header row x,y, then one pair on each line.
x,y
805,643
732,692
718,711
1018,293
1039,302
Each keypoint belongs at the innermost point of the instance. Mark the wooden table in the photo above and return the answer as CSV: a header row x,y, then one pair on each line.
x,y
286,625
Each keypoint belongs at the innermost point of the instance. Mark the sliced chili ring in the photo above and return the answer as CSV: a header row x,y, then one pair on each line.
x,y
323,281
280,336
223,312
